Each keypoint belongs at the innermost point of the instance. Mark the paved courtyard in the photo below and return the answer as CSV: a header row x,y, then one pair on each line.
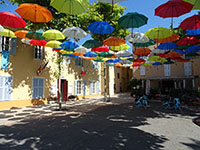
x,y
99,125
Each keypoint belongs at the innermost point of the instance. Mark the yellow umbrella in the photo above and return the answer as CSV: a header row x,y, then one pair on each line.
x,y
53,35
120,48
158,33
8,33
65,52
53,44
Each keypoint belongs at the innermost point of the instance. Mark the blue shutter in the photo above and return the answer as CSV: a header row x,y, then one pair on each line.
x,y
68,60
84,87
12,46
76,62
35,88
41,88
1,88
91,87
75,87
97,87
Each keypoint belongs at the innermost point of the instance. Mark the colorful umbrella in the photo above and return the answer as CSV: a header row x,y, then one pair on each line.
x,y
179,51
120,48
74,32
21,34
11,20
81,49
142,51
69,6
167,46
78,54
161,55
125,61
158,33
25,41
101,27
53,35
35,35
192,49
1,28
69,45
7,33
105,54
190,23
98,60
137,37
90,54
53,44
137,65
188,40
172,38
182,60
169,62
155,58
156,51
124,53
139,60
114,41
173,55
34,12
157,64
92,44
113,60
149,43
38,42
195,3
146,64
193,32
100,49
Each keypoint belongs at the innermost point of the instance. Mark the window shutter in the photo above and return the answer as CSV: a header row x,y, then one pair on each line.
x,y
188,68
84,87
93,65
40,88
68,60
1,43
97,87
1,88
35,88
12,46
142,70
167,70
8,88
76,61
90,87
75,87
97,65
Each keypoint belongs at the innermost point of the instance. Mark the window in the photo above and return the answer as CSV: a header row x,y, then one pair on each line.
x,y
188,68
92,87
5,88
95,65
142,70
9,44
118,75
38,88
5,43
39,52
79,88
167,70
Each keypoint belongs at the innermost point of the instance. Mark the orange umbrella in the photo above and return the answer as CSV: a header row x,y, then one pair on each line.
x,y
34,12
173,37
118,65
22,34
88,58
114,41
142,51
78,54
173,55
182,60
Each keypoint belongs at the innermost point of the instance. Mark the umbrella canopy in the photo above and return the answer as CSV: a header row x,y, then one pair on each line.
x,y
105,54
158,33
195,3
36,35
179,51
25,41
11,20
182,60
157,64
173,55
169,62
100,49
124,53
173,37
146,64
92,44
192,49
90,54
99,60
155,58
193,32
7,33
137,37
53,44
190,23
188,40
34,12
110,1
38,42
139,60
132,20
167,46
113,60
69,45
142,51
69,6
149,43
21,34
100,27
156,51
125,61
53,35
120,48
74,32
1,28
161,55
173,8
81,49
114,41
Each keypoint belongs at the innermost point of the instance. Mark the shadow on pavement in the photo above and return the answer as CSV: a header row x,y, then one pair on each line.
x,y
107,128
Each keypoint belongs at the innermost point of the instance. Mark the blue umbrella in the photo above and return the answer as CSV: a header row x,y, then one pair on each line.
x,y
90,54
100,27
71,55
193,32
179,51
69,45
157,64
167,46
192,49
113,60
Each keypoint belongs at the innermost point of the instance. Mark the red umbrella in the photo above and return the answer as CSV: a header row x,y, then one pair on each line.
x,y
173,8
173,55
161,55
187,40
11,20
142,51
136,65
100,49
139,60
38,42
190,23
114,41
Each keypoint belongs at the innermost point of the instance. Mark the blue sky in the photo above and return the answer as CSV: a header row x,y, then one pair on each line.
x,y
145,7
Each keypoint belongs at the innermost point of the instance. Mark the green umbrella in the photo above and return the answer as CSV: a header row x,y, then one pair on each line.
x,y
169,62
70,6
92,44
110,65
131,59
99,60
158,33
196,3
151,42
35,35
105,54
